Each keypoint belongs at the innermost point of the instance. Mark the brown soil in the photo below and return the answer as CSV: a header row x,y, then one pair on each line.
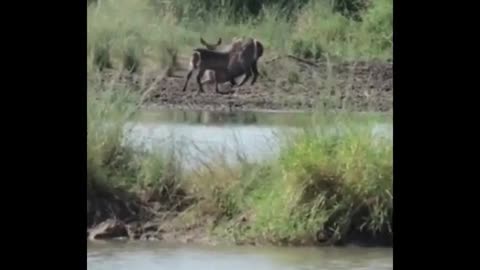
x,y
147,224
284,84
117,214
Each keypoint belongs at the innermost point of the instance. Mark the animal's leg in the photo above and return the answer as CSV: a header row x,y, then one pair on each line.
x,y
255,72
247,76
188,78
199,80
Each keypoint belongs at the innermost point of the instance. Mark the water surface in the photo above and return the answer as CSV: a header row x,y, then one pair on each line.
x,y
153,255
201,136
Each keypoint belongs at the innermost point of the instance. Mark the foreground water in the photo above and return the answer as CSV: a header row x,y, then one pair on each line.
x,y
149,255
200,136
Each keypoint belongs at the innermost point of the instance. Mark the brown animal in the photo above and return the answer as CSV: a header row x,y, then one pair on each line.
x,y
221,77
237,59
245,61
210,75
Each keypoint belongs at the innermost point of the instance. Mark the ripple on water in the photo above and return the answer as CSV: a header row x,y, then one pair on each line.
x,y
145,256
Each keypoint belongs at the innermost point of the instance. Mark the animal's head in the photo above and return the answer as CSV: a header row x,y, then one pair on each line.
x,y
209,45
237,43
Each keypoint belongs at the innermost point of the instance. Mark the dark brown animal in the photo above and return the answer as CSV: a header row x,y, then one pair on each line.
x,y
210,75
245,61
238,59
237,63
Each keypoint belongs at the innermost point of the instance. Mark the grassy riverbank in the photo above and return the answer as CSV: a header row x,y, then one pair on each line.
x,y
346,42
321,189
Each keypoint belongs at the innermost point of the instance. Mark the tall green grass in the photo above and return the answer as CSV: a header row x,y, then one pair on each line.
x,y
113,165
331,184
148,34
324,187
107,112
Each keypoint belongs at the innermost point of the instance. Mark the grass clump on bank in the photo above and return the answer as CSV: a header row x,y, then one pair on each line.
x,y
332,186
120,178
136,34
319,30
324,188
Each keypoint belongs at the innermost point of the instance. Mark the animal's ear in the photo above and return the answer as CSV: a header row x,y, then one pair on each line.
x,y
219,41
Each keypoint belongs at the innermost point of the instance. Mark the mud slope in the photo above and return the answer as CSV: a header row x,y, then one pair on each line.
x,y
284,84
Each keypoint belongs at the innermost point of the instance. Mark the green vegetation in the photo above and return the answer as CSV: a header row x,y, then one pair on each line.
x,y
117,174
150,34
323,186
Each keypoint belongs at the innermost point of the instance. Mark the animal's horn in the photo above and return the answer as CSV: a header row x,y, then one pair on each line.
x,y
219,41
203,41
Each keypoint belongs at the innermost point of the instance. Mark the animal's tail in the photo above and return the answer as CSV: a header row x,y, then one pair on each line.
x,y
258,49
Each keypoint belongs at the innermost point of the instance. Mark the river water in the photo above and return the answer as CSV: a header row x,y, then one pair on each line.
x,y
201,136
153,255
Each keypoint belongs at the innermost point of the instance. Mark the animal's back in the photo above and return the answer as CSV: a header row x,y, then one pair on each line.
x,y
206,53
212,59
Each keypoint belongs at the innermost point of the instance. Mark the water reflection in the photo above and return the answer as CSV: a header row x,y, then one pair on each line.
x,y
202,117
203,135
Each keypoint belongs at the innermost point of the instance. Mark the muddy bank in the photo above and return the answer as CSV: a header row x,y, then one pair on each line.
x,y
112,214
284,84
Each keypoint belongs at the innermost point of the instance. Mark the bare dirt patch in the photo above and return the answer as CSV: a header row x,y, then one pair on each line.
x,y
284,84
